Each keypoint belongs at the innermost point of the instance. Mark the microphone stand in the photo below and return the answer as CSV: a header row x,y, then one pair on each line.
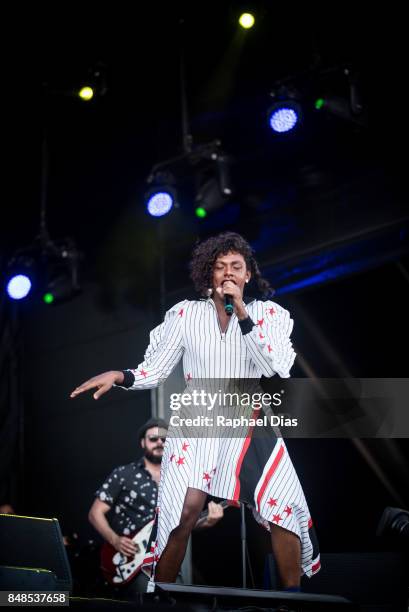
x,y
243,546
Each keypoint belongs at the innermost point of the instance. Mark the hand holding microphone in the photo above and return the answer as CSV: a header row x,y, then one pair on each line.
x,y
231,295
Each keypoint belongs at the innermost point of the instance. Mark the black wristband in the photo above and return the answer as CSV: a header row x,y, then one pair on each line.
x,y
129,379
246,325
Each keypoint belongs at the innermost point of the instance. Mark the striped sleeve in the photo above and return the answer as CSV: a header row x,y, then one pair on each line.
x,y
269,341
164,351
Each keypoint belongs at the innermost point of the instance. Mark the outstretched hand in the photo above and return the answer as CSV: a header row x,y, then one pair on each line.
x,y
103,382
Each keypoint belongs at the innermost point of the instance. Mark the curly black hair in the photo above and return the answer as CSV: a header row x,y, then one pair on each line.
x,y
205,254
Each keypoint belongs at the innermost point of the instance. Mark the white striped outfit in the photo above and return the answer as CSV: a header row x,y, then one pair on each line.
x,y
257,472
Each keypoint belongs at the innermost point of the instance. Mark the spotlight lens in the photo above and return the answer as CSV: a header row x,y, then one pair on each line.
x,y
86,93
48,298
246,20
19,287
159,204
283,120
200,212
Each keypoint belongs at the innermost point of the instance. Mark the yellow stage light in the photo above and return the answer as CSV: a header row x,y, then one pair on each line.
x,y
86,93
246,20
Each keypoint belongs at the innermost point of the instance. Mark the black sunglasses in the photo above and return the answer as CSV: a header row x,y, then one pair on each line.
x,y
156,438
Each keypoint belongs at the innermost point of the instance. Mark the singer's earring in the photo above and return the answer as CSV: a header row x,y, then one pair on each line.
x,y
247,280
209,292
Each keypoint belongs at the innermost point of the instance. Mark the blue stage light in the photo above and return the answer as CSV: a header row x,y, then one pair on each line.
x,y
283,119
159,203
19,287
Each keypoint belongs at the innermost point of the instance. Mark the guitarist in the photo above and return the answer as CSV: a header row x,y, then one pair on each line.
x,y
128,497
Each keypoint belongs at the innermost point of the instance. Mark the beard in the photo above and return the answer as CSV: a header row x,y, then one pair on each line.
x,y
153,458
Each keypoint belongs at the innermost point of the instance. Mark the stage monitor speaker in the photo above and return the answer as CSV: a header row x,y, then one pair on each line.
x,y
26,579
36,543
372,580
226,598
81,603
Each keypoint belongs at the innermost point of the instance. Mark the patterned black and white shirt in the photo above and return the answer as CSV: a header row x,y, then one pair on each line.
x,y
132,493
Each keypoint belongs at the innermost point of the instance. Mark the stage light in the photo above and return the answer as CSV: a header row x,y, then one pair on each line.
x,y
394,522
94,84
61,273
20,276
246,21
86,93
161,196
209,197
19,286
223,168
48,298
200,212
213,182
319,103
61,285
283,117
44,271
159,203
285,112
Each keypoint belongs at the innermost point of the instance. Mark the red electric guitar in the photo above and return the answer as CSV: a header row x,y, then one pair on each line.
x,y
119,568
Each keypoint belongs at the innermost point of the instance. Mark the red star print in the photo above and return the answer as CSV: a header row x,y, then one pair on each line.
x,y
269,348
180,461
272,502
143,373
310,523
260,322
288,510
185,446
172,457
206,476
189,377
261,336
157,557
277,518
180,313
271,311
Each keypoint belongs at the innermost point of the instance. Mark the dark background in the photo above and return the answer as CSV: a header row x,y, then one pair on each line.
x,y
325,206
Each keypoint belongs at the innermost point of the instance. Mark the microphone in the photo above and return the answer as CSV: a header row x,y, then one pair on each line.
x,y
228,305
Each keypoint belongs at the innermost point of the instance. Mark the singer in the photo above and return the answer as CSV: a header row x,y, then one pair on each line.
x,y
253,341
